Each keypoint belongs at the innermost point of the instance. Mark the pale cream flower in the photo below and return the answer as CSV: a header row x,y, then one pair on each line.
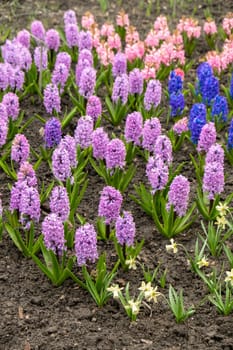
x,y
134,306
229,277
222,208
203,262
131,263
221,222
115,290
152,294
172,246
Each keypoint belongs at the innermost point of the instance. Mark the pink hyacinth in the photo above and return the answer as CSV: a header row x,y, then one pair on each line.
x,y
122,19
181,126
87,20
210,27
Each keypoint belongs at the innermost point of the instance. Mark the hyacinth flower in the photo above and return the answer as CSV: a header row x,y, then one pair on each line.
x,y
117,106
133,134
24,211
94,107
86,253
52,100
124,239
229,146
209,89
108,210
177,104
178,133
190,31
112,167
136,84
197,120
152,99
56,265
151,130
219,111
210,32
20,149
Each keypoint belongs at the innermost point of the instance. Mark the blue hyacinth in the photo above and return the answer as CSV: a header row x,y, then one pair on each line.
x,y
175,83
231,87
204,70
197,120
219,108
177,104
209,89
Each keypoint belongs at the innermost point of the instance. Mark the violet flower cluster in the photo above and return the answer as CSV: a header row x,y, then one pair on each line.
x,y
69,145
86,244
94,107
83,132
153,93
213,180
87,82
178,195
133,128
52,39
157,173
53,233
135,81
207,137
100,141
41,58
52,100
150,132
61,164
20,148
119,65
52,132
59,202
11,102
163,148
120,89
110,204
125,229
115,154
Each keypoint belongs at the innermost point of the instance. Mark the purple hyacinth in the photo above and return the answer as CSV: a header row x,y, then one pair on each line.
x,y
215,154
20,148
120,89
133,127
94,107
71,32
100,141
59,202
153,94
68,143
178,195
151,130
70,17
157,173
115,154
197,120
83,132
61,164
3,113
11,102
213,180
60,75
53,232
230,136
37,30
27,174
16,192
79,69
85,54
219,108
11,52
209,89
177,104
52,39
135,81
175,83
16,79
52,98
163,148
110,204
181,126
87,82
26,59
125,229
207,137
3,132
84,40
119,65
41,58
29,206
86,244
4,76
52,132
23,37
65,58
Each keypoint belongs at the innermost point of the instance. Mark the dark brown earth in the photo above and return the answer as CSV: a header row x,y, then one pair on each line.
x,y
37,316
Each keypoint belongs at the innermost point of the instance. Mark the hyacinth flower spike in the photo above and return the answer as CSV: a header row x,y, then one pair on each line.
x,y
86,255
